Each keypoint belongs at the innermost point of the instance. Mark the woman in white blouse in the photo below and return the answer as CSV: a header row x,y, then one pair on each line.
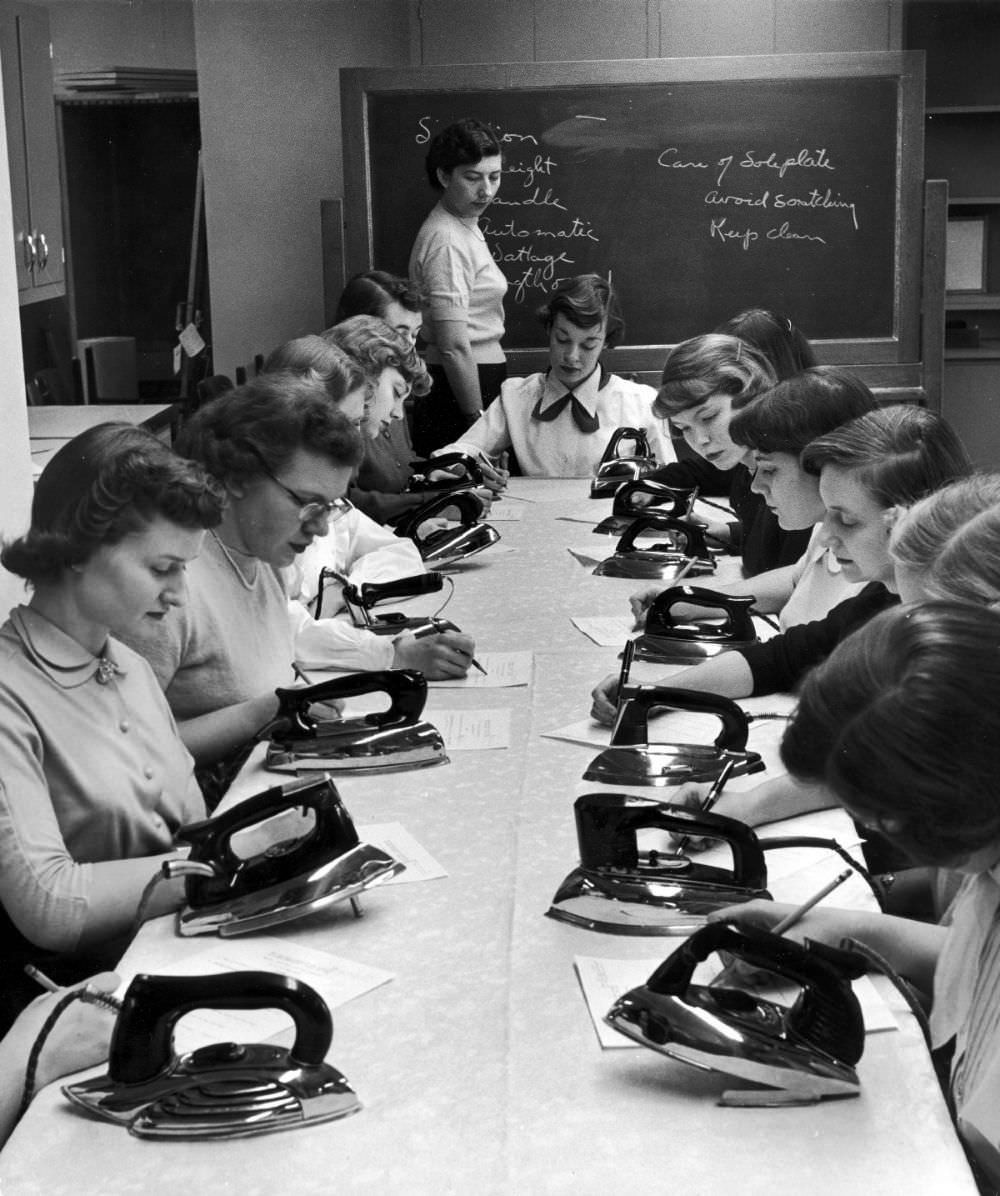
x,y
94,778
558,423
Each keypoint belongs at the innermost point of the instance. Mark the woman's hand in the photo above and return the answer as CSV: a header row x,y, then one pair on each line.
x,y
605,700
445,655
640,602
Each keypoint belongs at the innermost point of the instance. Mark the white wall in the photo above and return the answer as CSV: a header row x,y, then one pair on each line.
x,y
15,456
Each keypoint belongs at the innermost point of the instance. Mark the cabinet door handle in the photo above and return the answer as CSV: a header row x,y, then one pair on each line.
x,y
28,249
43,256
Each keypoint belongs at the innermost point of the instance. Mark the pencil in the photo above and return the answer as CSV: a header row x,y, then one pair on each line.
x,y
684,570
733,968
40,978
798,914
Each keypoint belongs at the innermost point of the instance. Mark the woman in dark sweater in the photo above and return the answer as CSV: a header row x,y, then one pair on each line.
x,y
867,469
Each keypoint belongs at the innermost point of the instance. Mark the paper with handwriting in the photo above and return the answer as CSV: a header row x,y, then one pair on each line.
x,y
503,670
473,730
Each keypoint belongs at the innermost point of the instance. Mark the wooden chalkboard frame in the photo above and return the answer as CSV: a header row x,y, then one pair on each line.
x,y
905,364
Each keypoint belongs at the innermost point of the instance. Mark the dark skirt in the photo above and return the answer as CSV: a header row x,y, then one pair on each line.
x,y
436,418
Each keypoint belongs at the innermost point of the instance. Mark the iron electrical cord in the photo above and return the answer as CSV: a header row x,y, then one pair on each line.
x,y
87,994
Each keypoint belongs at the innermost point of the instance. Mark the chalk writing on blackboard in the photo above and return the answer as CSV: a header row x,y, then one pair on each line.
x,y
702,197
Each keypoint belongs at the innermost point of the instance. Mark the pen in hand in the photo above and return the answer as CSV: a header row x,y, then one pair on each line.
x,y
711,797
788,922
437,627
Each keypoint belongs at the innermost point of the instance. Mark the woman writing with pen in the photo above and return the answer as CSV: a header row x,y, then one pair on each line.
x,y
902,726
557,423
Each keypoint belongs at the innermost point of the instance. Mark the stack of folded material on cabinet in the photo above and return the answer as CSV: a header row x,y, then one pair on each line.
x,y
128,78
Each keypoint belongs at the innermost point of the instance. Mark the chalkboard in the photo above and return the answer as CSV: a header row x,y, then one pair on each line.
x,y
702,186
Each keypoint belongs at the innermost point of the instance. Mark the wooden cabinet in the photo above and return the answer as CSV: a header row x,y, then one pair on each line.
x,y
32,151
961,39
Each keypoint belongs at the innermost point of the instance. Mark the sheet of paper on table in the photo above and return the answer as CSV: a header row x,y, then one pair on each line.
x,y
337,980
503,670
473,730
588,555
609,631
395,839
603,981
505,510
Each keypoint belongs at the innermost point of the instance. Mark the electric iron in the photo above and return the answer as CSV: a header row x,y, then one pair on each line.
x,y
672,642
807,1051
471,475
229,1089
360,599
229,894
615,469
632,759
386,741
619,889
446,545
685,549
624,509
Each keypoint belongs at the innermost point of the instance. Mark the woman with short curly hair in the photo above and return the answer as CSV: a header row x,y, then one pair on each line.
x,y
94,779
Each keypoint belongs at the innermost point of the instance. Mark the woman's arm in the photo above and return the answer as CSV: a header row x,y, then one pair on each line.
x,y
452,340
771,591
80,1039
911,948
211,737
728,675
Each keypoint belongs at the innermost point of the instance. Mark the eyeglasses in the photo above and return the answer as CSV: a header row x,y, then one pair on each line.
x,y
310,510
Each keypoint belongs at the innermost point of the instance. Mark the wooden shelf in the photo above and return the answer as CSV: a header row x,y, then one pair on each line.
x,y
969,201
963,110
987,351
970,302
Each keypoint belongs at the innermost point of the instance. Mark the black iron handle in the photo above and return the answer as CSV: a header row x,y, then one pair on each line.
x,y
690,535
468,503
636,435
632,723
142,1045
406,689
680,499
371,592
607,825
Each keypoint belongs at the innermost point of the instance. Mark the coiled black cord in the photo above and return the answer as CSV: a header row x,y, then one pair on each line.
x,y
87,994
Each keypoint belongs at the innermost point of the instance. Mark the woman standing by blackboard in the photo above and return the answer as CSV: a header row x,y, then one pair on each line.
x,y
464,287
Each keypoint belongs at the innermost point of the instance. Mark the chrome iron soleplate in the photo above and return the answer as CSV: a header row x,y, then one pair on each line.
x,y
663,765
337,880
456,546
735,1033
664,649
355,746
632,903
227,1090
651,565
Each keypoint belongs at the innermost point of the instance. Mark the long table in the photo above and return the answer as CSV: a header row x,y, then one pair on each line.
x,y
478,1064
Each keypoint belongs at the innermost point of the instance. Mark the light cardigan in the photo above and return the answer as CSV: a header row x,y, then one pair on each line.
x,y
91,775
557,448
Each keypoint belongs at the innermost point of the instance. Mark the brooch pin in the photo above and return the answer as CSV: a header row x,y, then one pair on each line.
x,y
106,669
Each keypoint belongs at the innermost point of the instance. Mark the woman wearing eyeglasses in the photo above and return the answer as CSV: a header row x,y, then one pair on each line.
x,y
284,456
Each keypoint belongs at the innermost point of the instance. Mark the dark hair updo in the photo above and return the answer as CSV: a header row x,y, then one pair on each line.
x,y
462,144
101,486
586,301
370,293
